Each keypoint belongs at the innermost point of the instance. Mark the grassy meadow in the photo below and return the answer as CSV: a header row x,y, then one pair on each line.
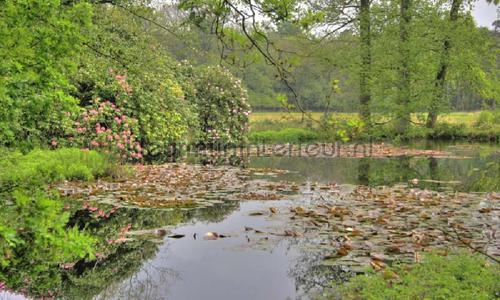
x,y
293,127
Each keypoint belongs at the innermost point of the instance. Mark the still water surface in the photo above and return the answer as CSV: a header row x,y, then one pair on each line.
x,y
243,266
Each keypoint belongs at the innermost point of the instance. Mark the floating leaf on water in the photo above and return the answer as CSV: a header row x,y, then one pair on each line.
x,y
257,213
211,236
176,236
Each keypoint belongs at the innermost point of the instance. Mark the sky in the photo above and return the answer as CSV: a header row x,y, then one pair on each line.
x,y
485,13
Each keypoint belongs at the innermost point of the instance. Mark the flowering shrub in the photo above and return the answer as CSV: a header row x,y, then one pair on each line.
x,y
155,98
222,107
103,125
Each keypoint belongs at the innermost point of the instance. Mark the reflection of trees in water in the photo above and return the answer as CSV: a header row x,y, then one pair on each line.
x,y
129,260
311,276
487,177
150,282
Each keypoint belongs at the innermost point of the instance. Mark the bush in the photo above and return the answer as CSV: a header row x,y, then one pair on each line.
x,y
488,119
157,97
448,131
105,126
222,107
458,276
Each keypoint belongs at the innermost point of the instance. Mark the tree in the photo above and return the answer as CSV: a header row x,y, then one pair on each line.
x,y
404,115
440,83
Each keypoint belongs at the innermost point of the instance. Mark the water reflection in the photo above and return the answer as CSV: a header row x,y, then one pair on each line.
x,y
468,174
127,260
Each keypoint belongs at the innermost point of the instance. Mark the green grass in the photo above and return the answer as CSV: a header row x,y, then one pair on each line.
x,y
40,167
457,276
290,127
287,135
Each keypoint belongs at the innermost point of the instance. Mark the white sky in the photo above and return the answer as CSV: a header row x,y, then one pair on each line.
x,y
485,13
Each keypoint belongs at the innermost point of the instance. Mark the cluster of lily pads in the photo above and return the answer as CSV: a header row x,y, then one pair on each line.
x,y
355,226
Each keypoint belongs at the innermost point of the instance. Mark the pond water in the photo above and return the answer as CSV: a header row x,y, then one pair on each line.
x,y
254,259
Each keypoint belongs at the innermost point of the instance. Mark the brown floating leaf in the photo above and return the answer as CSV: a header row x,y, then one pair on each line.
x,y
176,236
211,236
292,233
273,210
342,251
377,265
257,213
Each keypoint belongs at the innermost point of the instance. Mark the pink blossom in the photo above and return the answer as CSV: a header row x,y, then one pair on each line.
x,y
120,145
53,143
110,137
139,155
94,143
93,112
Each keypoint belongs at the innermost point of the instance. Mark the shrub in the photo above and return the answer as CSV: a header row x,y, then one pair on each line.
x,y
158,97
458,276
487,119
222,107
448,131
105,126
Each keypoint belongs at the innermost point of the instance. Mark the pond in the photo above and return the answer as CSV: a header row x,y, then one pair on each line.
x,y
276,229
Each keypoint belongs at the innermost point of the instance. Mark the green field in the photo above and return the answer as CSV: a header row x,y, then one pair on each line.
x,y
467,118
293,127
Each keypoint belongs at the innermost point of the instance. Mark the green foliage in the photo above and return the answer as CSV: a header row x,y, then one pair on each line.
x,y
488,119
41,40
40,167
458,276
34,238
222,107
139,78
34,241
288,135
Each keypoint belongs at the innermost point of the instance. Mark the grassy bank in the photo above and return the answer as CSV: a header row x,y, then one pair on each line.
x,y
281,127
457,276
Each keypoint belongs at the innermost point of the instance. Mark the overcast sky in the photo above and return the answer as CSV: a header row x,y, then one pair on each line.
x,y
485,13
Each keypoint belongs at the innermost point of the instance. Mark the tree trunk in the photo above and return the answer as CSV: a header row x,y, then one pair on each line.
x,y
403,113
441,75
364,84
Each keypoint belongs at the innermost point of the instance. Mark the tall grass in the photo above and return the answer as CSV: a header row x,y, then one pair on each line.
x,y
40,167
